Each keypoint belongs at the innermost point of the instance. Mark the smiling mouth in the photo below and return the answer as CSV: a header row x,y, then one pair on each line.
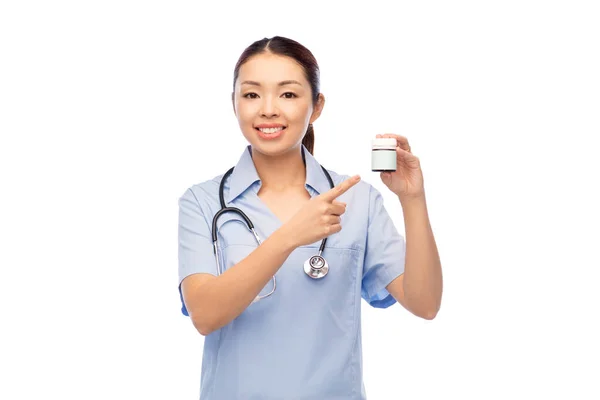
x,y
270,131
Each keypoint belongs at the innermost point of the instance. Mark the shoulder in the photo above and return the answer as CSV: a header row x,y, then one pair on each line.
x,y
202,193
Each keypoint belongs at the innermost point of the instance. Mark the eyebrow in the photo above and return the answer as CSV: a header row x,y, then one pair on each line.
x,y
282,83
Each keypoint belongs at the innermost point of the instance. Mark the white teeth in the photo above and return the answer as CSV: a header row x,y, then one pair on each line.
x,y
271,130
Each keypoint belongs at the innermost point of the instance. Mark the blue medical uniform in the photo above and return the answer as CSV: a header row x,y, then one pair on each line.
x,y
303,341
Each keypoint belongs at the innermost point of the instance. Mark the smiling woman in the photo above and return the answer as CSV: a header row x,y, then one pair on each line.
x,y
260,336
277,82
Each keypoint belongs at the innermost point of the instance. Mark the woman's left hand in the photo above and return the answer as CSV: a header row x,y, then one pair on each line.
x,y
407,181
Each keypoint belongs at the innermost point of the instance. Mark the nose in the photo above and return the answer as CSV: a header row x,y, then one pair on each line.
x,y
268,107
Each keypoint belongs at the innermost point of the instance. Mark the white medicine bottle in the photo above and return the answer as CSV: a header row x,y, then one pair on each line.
x,y
383,154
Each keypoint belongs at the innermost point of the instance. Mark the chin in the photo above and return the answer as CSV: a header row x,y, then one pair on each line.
x,y
276,145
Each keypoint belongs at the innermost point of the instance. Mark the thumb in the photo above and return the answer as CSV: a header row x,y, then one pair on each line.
x,y
386,178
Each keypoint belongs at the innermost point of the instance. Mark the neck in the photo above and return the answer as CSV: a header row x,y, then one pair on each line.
x,y
280,172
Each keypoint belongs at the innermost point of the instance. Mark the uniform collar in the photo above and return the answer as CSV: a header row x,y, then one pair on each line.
x,y
244,174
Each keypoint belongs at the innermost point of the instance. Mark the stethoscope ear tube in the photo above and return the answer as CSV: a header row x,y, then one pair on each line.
x,y
222,187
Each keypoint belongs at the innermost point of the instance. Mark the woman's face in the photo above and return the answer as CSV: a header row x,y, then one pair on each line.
x,y
273,103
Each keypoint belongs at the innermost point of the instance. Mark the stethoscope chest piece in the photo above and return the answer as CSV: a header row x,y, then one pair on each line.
x,y
316,267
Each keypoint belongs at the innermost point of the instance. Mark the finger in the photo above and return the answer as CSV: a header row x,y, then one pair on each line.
x,y
337,209
407,156
335,228
400,140
385,175
340,189
334,220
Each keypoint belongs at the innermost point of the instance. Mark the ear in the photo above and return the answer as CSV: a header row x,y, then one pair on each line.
x,y
318,108
233,102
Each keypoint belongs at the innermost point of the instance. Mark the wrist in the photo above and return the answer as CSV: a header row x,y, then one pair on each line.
x,y
412,200
285,238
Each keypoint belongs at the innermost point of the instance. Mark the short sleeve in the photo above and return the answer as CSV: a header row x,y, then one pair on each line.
x,y
384,255
195,252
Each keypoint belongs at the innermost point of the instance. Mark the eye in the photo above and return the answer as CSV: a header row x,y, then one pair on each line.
x,y
292,95
250,95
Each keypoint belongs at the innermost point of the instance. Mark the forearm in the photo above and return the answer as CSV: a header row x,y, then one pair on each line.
x,y
229,294
423,271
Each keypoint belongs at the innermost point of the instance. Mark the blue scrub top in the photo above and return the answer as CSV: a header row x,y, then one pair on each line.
x,y
303,341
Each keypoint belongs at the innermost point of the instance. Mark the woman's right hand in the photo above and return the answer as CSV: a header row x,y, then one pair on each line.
x,y
320,216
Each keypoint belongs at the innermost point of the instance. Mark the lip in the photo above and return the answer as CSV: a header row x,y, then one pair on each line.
x,y
269,126
272,136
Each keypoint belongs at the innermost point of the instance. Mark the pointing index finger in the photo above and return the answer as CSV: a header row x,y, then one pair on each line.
x,y
342,188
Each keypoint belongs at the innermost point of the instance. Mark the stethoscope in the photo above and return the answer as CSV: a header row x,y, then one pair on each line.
x,y
315,267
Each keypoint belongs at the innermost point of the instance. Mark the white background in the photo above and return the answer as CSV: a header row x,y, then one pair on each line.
x,y
110,110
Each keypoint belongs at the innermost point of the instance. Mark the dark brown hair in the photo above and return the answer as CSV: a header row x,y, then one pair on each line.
x,y
287,47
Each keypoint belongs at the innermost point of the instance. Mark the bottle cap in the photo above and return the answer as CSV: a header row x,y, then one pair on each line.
x,y
384,144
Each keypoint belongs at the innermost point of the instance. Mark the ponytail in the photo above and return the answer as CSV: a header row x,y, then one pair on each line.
x,y
309,139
